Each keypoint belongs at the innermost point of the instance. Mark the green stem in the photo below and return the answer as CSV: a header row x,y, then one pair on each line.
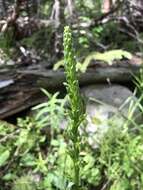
x,y
76,169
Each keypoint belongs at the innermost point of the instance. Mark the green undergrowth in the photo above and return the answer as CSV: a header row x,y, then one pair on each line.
x,y
39,151
34,154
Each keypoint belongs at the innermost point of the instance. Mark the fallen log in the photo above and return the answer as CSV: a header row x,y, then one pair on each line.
x,y
20,88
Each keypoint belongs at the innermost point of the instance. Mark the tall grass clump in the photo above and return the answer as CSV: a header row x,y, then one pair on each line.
x,y
76,111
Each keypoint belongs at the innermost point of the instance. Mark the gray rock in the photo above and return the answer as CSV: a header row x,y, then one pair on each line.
x,y
2,62
106,103
5,83
113,95
10,62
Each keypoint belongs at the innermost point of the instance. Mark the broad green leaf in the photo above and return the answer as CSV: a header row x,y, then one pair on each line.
x,y
4,157
8,177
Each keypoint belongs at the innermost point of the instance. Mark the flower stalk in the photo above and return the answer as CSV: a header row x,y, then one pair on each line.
x,y
77,111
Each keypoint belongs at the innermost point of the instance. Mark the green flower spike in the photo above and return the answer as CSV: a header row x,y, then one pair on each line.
x,y
77,111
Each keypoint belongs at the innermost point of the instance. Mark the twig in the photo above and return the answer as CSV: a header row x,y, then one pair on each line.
x,y
99,20
105,185
11,135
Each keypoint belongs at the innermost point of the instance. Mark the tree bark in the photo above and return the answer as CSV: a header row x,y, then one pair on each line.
x,y
20,89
